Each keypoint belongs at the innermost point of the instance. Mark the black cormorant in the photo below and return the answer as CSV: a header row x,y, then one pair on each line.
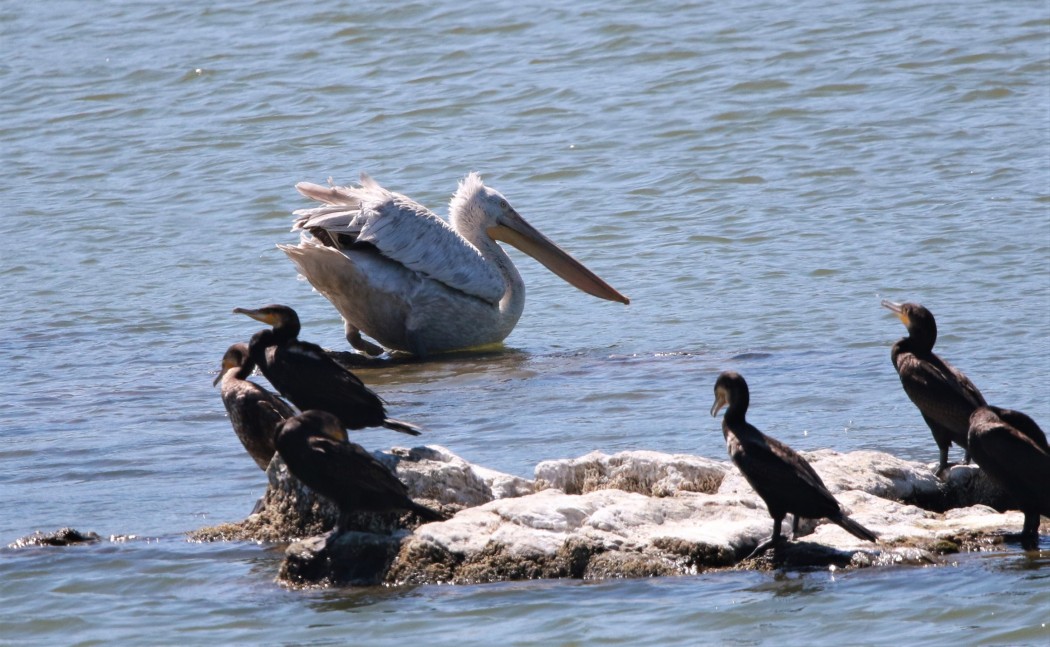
x,y
314,448
784,480
945,397
1013,450
254,412
306,375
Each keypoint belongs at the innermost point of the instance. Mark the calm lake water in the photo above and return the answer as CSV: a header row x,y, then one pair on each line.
x,y
756,176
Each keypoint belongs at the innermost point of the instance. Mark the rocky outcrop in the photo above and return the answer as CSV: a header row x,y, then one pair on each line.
x,y
434,476
630,514
60,537
645,472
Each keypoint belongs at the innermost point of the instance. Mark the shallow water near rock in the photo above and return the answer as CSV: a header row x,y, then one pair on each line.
x,y
756,177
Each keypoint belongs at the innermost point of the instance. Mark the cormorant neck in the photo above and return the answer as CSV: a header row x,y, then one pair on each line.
x,y
286,330
246,368
737,409
919,341
258,344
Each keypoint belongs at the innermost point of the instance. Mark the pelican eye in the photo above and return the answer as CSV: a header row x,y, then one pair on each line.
x,y
503,204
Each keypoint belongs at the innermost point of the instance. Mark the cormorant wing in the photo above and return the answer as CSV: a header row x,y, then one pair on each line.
x,y
349,464
776,470
1024,424
1018,457
259,408
963,385
933,384
307,372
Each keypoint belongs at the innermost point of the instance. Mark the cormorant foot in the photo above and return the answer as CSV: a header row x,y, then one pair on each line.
x,y
766,544
942,471
1028,541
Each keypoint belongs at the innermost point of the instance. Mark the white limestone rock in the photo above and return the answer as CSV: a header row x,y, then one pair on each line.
x,y
630,514
433,475
662,529
646,472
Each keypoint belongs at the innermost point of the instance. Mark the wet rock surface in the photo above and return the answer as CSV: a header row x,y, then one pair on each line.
x,y
632,514
60,537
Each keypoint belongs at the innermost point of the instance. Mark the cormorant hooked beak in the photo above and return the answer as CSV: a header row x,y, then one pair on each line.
x,y
897,309
720,401
268,318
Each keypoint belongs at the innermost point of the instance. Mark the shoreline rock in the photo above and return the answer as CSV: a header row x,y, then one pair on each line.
x,y
631,514
61,537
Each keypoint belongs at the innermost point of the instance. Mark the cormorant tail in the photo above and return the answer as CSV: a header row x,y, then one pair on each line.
x,y
427,514
855,529
402,426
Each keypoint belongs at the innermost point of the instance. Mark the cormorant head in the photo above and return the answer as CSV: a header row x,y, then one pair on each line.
x,y
730,389
317,423
234,357
984,415
1020,421
917,319
274,315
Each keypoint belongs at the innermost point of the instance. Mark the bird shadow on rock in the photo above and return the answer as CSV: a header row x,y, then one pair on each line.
x,y
799,556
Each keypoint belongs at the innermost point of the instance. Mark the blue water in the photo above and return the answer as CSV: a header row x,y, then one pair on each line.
x,y
755,176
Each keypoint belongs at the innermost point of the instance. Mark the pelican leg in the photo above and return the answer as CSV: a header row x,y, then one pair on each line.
x,y
353,335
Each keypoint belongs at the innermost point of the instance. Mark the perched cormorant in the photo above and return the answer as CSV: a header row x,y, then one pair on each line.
x,y
1013,450
1023,423
306,375
945,397
254,412
784,480
314,447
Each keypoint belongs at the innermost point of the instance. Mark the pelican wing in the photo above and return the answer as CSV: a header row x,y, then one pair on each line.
x,y
402,230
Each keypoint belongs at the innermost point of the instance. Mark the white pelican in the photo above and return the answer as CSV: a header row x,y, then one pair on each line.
x,y
400,274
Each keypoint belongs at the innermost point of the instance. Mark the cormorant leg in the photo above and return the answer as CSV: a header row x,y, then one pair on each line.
x,y
944,466
943,438
770,541
794,526
1030,531
353,335
341,523
778,539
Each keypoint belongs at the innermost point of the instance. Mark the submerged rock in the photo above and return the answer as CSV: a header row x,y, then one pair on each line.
x,y
60,537
355,558
631,514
